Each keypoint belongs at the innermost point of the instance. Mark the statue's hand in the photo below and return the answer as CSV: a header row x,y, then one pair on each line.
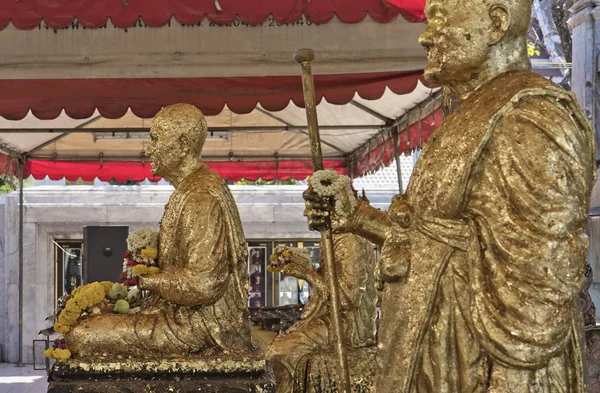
x,y
300,264
330,202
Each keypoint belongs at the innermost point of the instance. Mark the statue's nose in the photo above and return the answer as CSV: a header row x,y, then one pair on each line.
x,y
426,38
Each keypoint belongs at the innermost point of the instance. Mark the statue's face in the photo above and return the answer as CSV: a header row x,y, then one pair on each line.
x,y
456,39
165,149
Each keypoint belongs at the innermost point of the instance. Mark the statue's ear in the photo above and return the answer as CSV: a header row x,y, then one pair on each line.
x,y
184,145
500,17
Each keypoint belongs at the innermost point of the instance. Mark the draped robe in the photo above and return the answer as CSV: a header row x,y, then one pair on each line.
x,y
199,299
290,352
482,293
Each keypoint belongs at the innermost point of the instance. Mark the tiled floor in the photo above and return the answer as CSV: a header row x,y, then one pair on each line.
x,y
22,379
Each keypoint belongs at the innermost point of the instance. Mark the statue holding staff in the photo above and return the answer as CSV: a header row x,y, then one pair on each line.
x,y
484,255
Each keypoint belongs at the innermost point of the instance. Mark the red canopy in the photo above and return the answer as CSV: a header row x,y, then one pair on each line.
x,y
28,14
138,171
79,98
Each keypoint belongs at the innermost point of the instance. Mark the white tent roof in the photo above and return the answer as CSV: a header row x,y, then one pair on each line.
x,y
259,134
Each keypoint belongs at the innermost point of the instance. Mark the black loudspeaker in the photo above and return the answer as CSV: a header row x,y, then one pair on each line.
x,y
103,249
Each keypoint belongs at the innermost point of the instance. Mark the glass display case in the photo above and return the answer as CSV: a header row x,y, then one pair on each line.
x,y
314,250
68,266
258,259
286,285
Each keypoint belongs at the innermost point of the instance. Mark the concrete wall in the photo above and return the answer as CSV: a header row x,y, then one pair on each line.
x,y
53,212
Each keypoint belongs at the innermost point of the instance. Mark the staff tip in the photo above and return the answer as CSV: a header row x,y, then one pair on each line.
x,y
304,55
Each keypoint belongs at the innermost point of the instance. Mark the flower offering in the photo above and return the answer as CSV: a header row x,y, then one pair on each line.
x,y
141,257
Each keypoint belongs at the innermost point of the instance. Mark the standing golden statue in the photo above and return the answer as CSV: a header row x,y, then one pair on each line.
x,y
198,301
291,352
484,255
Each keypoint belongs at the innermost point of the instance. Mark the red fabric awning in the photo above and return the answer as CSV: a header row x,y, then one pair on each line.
x,y
113,97
138,171
410,139
28,14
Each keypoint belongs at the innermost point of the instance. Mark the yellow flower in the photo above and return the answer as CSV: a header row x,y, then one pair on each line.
x,y
274,257
72,307
77,290
153,270
149,252
61,354
107,286
139,270
82,298
68,318
273,269
286,254
61,328
49,353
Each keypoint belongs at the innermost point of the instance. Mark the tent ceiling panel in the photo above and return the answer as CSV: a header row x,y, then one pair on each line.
x,y
25,142
224,119
177,51
241,144
114,97
258,134
329,114
27,14
392,108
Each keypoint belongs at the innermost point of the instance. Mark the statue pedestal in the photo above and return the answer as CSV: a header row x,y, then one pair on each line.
x,y
184,375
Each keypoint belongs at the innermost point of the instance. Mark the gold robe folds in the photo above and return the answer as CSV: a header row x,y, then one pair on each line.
x,y
199,299
482,295
291,352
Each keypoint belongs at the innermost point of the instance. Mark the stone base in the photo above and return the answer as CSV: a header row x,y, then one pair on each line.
x,y
186,375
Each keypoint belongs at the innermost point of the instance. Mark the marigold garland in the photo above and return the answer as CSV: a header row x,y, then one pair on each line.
x,y
283,256
143,270
57,353
279,259
81,299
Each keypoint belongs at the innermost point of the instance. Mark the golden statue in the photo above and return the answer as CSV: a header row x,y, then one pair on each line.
x,y
198,301
290,352
483,257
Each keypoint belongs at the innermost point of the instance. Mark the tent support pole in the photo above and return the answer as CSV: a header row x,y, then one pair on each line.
x,y
397,157
21,171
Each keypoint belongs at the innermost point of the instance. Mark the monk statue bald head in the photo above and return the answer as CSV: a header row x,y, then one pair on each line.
x,y
177,136
469,42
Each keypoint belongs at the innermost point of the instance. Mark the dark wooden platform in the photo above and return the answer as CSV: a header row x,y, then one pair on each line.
x,y
172,376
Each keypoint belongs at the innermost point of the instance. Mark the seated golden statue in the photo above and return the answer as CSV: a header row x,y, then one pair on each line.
x,y
484,255
290,352
198,301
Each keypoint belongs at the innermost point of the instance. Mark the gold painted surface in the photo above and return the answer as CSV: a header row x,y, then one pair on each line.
x,y
483,257
311,338
190,364
197,302
304,57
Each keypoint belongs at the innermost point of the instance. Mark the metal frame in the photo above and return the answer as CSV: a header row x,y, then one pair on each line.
x,y
214,129
46,360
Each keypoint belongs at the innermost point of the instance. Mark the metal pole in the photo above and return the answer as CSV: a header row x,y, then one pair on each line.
x,y
397,157
21,170
304,58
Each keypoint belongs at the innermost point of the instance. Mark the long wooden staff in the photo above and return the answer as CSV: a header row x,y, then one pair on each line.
x,y
304,57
